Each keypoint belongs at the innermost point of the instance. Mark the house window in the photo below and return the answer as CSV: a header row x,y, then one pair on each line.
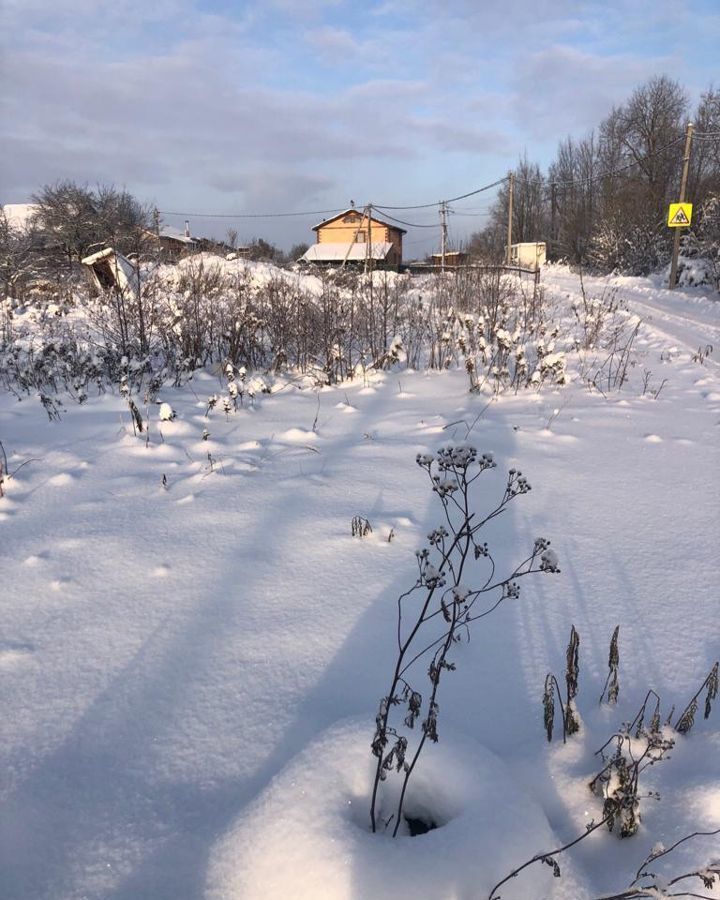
x,y
360,237
352,217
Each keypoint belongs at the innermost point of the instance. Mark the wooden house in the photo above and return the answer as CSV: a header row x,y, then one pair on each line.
x,y
359,237
173,243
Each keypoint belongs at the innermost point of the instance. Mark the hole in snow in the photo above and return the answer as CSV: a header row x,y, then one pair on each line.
x,y
419,826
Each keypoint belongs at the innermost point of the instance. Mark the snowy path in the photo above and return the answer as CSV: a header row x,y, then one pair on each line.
x,y
690,317
695,333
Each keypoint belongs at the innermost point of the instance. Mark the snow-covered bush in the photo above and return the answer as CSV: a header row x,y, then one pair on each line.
x,y
700,250
203,313
630,248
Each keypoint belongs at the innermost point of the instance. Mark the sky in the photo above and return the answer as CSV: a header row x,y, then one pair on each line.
x,y
282,106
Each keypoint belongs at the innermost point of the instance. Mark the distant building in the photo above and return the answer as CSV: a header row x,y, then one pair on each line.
x,y
452,258
531,255
354,236
173,242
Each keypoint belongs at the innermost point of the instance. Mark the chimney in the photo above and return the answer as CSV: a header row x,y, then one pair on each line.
x,y
187,228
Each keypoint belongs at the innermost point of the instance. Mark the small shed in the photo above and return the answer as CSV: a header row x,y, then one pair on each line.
x,y
109,270
453,258
530,255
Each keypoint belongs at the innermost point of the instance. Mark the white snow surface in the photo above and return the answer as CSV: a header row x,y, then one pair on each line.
x,y
18,215
190,672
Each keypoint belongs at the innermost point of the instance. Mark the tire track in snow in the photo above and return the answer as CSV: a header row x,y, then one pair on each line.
x,y
692,333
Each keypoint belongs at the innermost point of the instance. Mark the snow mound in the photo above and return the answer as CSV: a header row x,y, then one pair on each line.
x,y
297,436
307,836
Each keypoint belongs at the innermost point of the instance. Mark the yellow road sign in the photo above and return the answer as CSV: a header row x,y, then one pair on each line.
x,y
679,215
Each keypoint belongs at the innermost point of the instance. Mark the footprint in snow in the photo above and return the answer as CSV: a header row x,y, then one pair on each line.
x,y
61,479
36,558
13,653
59,583
653,439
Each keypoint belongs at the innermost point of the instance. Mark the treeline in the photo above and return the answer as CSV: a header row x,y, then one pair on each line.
x,y
603,200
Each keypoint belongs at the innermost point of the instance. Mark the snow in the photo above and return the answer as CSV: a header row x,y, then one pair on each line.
x,y
18,215
306,835
190,672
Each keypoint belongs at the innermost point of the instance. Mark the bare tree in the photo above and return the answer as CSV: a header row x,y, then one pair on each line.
x,y
74,219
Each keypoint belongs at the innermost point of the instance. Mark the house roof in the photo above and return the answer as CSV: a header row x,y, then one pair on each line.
x,y
175,234
355,251
354,209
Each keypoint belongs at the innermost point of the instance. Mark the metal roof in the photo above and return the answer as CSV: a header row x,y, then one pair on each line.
x,y
175,234
339,252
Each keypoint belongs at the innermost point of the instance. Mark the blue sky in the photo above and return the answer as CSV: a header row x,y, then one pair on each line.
x,y
284,106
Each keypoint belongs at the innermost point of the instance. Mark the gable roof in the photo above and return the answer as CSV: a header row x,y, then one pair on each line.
x,y
355,251
360,212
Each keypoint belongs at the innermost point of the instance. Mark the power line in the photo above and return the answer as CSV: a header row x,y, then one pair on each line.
x,y
480,190
283,215
609,172
420,206
471,209
409,224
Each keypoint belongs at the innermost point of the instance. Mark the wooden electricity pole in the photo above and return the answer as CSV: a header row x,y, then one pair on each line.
x,y
355,236
511,180
369,251
681,199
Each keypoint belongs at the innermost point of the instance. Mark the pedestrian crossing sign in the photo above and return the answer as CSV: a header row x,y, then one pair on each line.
x,y
679,215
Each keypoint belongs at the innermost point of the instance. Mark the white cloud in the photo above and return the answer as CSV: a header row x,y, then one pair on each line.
x,y
560,89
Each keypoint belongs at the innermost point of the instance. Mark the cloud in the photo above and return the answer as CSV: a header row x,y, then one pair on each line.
x,y
560,89
333,44
267,105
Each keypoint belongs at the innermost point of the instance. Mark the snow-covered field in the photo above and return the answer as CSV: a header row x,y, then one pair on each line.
x,y
193,645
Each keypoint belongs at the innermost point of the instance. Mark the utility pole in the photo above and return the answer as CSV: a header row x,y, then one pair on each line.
x,y
553,219
511,181
443,234
681,199
369,251
355,236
